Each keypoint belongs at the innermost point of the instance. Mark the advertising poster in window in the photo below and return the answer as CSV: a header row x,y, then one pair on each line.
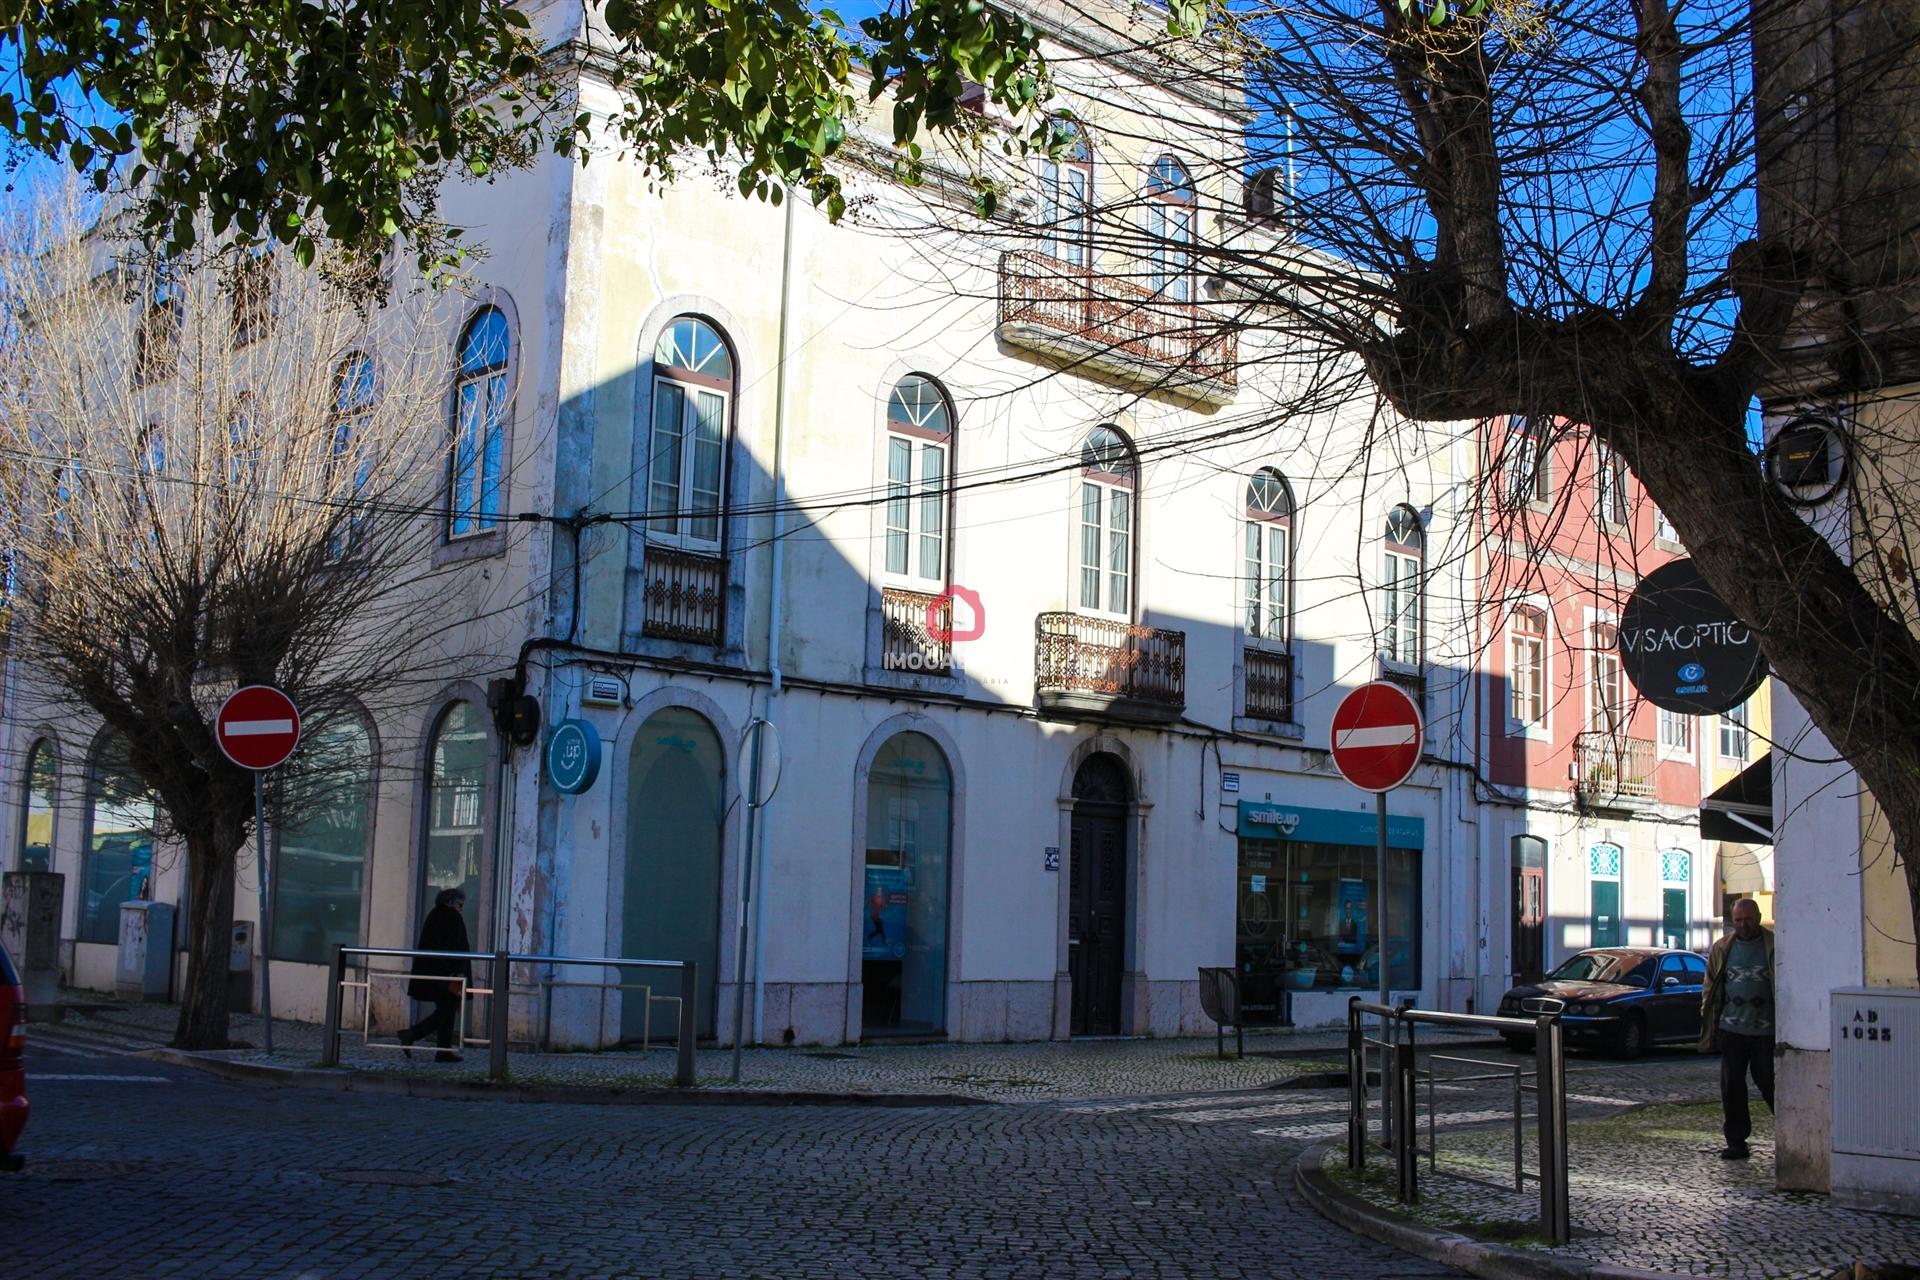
x,y
1352,938
889,889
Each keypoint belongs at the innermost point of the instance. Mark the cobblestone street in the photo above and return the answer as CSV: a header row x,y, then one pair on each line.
x,y
138,1167
142,1169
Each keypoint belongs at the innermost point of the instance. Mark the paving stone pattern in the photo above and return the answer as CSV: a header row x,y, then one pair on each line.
x,y
188,1176
995,1072
1647,1189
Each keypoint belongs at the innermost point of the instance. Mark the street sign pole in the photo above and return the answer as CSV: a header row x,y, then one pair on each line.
x,y
266,906
1380,852
257,729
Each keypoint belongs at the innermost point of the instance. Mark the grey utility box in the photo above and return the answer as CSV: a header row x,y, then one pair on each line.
x,y
30,931
240,968
145,963
1876,1108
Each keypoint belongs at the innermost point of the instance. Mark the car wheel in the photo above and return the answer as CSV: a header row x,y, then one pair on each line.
x,y
1631,1040
1519,1044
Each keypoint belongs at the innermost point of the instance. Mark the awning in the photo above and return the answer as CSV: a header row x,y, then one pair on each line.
x,y
1742,810
1740,870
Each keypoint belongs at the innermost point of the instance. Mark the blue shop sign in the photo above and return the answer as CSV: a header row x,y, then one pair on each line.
x,y
573,756
1266,821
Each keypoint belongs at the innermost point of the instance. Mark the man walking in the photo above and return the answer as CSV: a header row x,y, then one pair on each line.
x,y
1736,1014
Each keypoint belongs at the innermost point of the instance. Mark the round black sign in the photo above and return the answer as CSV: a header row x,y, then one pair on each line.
x,y
1683,648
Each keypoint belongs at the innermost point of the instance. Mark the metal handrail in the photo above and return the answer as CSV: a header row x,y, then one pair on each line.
x,y
1399,1041
499,993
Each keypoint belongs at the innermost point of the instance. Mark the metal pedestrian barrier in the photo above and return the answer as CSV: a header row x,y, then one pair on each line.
x,y
1401,1075
499,992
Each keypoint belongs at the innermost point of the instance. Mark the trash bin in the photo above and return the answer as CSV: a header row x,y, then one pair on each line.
x,y
240,968
144,960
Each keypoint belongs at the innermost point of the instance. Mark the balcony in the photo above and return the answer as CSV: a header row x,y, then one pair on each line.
x,y
1114,326
1612,771
1269,678
1100,668
916,632
684,596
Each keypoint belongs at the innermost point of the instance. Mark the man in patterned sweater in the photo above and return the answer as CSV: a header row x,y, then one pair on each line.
x,y
1736,1016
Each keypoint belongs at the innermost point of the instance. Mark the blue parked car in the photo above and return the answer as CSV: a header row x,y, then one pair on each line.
x,y
1622,998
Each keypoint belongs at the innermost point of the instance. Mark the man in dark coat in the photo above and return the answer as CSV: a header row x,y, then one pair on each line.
x,y
445,929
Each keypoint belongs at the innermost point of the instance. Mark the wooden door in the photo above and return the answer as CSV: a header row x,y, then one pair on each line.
x,y
1097,917
1529,930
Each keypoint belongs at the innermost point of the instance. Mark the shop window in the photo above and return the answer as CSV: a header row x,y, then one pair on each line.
x,y
1604,926
919,464
903,945
1527,665
320,859
480,394
1309,920
1171,220
457,817
1405,553
36,823
1107,490
1066,195
117,855
687,442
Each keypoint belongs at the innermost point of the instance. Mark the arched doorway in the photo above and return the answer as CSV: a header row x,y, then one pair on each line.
x,y
903,947
670,906
1097,894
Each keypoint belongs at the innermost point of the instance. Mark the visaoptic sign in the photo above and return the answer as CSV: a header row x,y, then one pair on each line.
x,y
1683,648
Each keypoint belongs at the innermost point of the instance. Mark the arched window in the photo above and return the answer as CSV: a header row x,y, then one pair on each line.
x,y
36,822
457,856
919,455
1527,665
1171,209
350,459
320,861
1269,556
1066,193
1107,482
475,470
903,947
686,460
117,855
1406,549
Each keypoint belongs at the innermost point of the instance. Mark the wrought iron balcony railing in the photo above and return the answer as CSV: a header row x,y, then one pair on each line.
x,y
1269,678
1114,325
1612,767
684,596
916,632
1102,666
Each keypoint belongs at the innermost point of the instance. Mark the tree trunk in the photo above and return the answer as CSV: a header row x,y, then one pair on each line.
x,y
203,1005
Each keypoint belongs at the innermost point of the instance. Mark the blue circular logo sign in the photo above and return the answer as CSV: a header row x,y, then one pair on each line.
x,y
573,756
1693,673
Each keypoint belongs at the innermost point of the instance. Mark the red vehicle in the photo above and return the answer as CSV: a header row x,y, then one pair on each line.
x,y
13,1066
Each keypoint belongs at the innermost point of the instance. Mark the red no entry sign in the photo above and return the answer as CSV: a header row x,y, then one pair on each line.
x,y
258,727
1376,736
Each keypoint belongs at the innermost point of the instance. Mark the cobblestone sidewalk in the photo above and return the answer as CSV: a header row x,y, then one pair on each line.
x,y
1649,1191
1076,1070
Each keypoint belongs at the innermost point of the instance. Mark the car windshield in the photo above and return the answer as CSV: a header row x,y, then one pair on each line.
x,y
1605,966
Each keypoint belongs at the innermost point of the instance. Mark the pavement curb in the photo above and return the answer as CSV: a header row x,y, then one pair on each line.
x,y
349,1081
1492,1261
